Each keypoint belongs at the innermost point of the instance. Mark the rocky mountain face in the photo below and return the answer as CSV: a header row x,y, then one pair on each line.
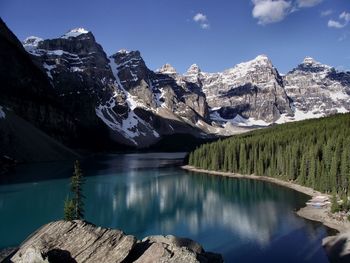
x,y
317,90
79,75
135,104
78,241
254,93
118,99
252,89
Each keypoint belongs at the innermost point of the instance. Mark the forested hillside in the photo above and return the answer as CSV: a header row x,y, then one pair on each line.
x,y
315,153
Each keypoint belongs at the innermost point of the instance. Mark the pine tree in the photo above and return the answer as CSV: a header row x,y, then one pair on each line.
x,y
334,206
69,213
77,191
74,207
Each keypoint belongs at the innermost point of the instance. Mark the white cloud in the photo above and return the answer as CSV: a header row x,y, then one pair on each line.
x,y
202,20
344,19
335,24
308,3
326,13
345,16
205,26
270,11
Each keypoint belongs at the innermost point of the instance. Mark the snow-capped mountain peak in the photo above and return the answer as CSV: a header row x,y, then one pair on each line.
x,y
31,42
243,69
167,69
262,58
311,65
309,60
193,70
123,51
75,32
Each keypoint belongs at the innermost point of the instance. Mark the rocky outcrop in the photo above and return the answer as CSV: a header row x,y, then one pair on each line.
x,y
317,89
78,241
253,89
338,247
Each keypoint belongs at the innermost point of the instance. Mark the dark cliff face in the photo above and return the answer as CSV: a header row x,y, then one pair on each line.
x,y
27,91
79,72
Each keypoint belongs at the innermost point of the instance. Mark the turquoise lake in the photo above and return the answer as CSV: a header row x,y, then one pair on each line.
x,y
149,194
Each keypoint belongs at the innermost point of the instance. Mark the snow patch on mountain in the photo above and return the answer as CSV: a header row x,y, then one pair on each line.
x,y
249,66
31,42
338,95
123,51
48,69
131,100
238,120
129,126
167,69
74,33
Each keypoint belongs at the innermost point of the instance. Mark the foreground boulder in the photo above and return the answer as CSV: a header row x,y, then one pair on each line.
x,y
338,247
79,241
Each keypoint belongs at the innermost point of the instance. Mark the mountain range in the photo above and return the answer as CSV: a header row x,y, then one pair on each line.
x,y
68,88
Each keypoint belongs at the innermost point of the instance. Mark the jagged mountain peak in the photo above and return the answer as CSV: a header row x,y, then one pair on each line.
x,y
309,60
75,32
311,65
193,69
167,69
126,53
261,61
123,51
31,42
262,58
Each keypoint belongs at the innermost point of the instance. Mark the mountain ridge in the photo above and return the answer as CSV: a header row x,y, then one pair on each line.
x,y
250,94
122,100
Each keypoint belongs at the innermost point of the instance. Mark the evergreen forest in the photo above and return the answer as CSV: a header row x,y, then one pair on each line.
x,y
314,153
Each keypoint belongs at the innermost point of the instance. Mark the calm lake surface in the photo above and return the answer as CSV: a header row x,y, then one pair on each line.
x,y
148,194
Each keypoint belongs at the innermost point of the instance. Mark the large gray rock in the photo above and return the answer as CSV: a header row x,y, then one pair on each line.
x,y
75,241
338,247
78,241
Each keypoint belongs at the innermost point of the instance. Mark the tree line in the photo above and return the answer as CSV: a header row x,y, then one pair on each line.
x,y
314,153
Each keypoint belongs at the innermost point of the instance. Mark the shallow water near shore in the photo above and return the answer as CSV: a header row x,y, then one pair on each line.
x,y
148,194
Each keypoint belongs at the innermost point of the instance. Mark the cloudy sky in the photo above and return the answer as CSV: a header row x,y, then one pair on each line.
x,y
215,34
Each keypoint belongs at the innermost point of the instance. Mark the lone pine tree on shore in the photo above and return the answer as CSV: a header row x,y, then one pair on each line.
x,y
74,206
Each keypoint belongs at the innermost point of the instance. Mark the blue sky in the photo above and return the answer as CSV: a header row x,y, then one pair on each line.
x,y
215,34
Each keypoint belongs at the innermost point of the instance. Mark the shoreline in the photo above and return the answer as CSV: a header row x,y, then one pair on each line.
x,y
322,215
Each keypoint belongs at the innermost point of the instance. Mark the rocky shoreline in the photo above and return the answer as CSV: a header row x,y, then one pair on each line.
x,y
79,241
322,215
